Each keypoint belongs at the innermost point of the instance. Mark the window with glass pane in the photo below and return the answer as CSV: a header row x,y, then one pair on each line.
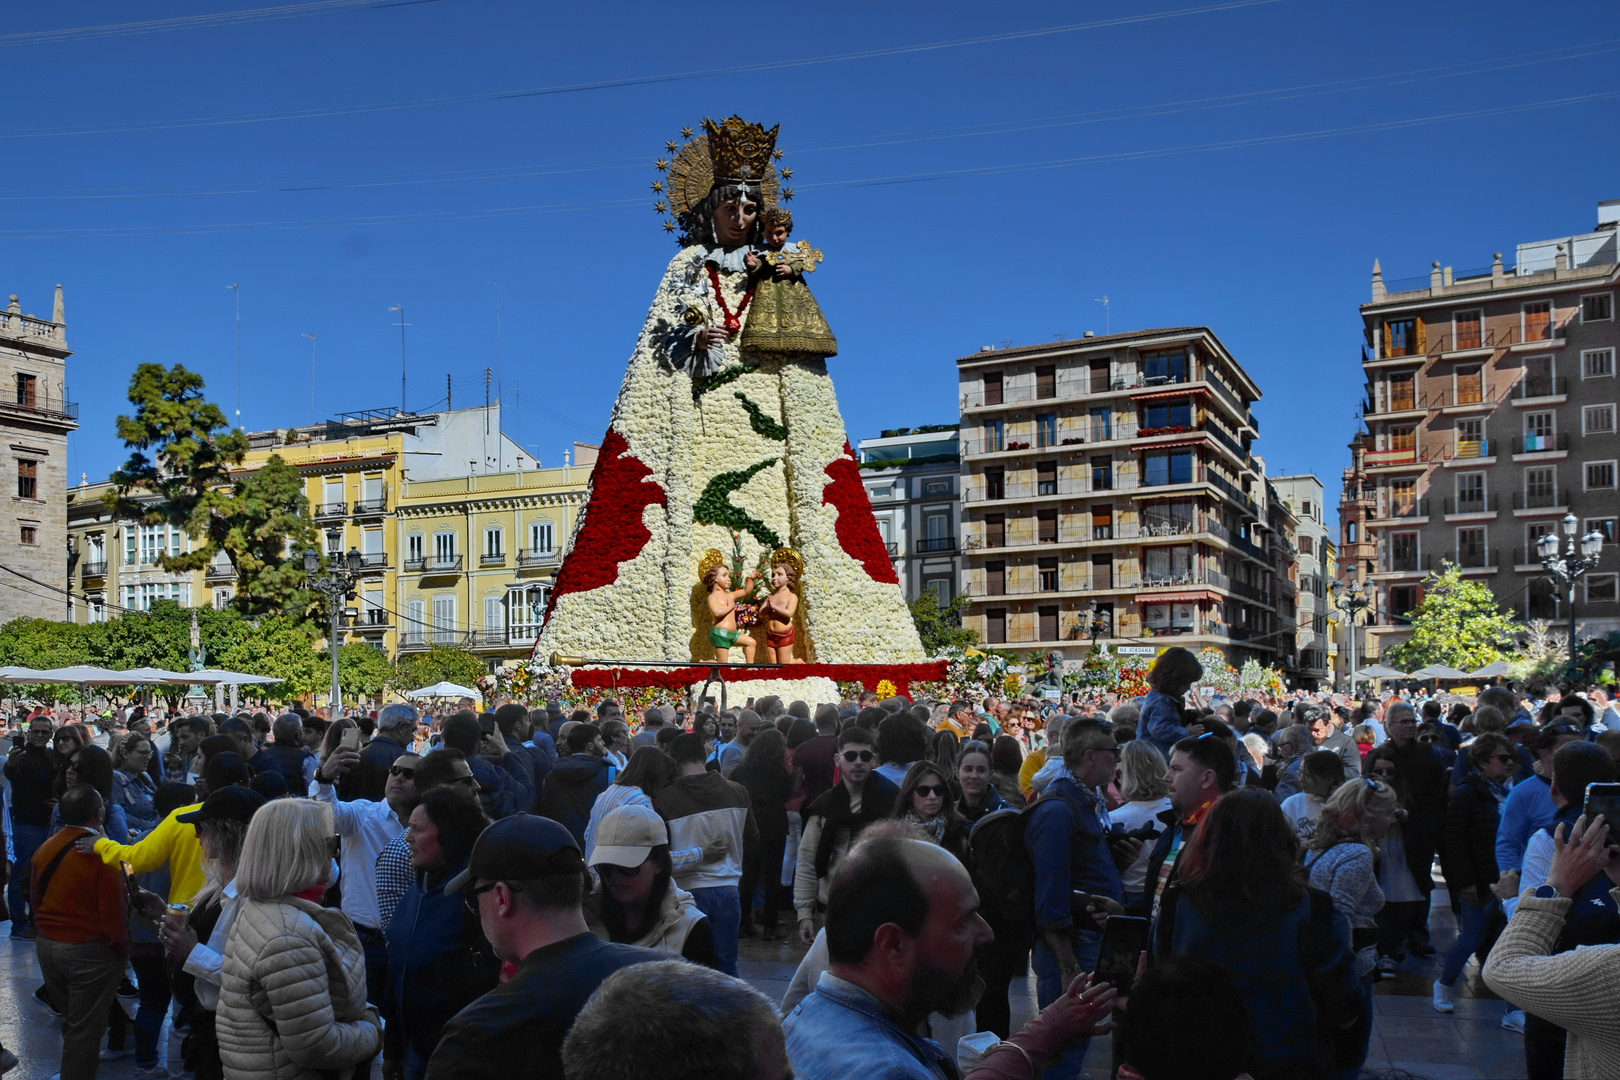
x,y
413,547
1540,487
1102,473
1538,320
1599,475
995,484
1403,551
1402,498
1597,364
1046,429
1046,529
444,546
1470,493
1471,548
444,619
1101,425
27,479
1167,415
1048,570
26,391
541,536
1165,366
1102,522
1403,438
995,436
1603,525
1046,478
1600,589
1598,307
1470,385
1597,420
494,543
1467,327
1402,393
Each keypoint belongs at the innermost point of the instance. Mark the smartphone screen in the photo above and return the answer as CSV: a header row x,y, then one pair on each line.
x,y
1124,938
351,738
1605,799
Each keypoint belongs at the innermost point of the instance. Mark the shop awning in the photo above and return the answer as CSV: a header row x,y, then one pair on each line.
x,y
1176,597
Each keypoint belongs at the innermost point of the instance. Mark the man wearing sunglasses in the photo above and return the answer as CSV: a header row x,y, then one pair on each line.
x,y
834,820
365,827
31,774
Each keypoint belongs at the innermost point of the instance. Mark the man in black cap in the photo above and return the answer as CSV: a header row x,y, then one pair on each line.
x,y
526,878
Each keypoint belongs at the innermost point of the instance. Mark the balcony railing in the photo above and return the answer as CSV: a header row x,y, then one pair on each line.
x,y
1472,448
536,557
1408,564
1449,398
330,510
1526,557
977,490
38,404
936,543
214,575
1540,386
373,618
434,564
370,507
1541,444
1407,508
1484,504
1473,558
1542,499
373,560
1081,433
95,569
893,546
1380,459
496,559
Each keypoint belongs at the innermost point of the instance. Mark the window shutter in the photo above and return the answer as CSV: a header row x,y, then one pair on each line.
x,y
1417,333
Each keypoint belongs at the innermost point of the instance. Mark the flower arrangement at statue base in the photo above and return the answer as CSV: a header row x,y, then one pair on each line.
x,y
971,674
1265,679
805,681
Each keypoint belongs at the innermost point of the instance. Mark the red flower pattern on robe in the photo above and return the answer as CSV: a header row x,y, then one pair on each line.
x,y
856,528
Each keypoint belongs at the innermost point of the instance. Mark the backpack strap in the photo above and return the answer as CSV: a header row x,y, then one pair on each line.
x,y
43,882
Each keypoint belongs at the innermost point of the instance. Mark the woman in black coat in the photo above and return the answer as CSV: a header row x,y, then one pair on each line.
x,y
1468,849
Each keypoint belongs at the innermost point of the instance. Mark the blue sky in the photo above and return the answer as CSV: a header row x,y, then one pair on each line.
x,y
980,192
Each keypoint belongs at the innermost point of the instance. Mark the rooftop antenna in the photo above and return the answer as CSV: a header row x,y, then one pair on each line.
x,y
1108,321
402,324
311,376
237,289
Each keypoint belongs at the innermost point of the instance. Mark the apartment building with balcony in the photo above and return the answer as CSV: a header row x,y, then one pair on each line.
x,y
1114,475
112,563
1313,638
912,478
480,555
1490,413
35,418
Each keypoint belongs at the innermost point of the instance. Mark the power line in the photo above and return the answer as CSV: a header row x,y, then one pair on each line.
x,y
640,80
189,22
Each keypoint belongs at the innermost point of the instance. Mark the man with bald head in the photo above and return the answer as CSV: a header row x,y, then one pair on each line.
x,y
904,936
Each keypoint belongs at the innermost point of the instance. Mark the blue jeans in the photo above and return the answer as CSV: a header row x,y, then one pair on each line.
x,y
1049,987
152,979
1470,929
25,840
721,905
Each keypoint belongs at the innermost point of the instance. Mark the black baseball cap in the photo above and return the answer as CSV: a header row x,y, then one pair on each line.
x,y
516,848
231,803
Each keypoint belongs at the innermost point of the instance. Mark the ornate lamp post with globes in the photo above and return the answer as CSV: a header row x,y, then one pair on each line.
x,y
1570,567
337,586
1352,599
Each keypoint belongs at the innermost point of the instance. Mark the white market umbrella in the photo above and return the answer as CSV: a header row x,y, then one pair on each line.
x,y
86,675
1494,670
443,689
1379,671
221,677
1438,671
21,675
160,675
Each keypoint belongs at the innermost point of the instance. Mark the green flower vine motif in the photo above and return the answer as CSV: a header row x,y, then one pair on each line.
x,y
714,505
704,383
762,424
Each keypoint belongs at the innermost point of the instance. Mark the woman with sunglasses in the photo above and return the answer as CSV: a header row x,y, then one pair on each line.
x,y
65,746
1468,850
638,902
438,958
926,803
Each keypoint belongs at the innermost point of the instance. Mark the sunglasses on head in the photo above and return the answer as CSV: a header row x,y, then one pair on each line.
x,y
852,756
929,790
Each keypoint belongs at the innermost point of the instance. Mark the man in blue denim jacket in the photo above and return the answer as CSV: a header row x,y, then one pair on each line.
x,y
904,935
1067,837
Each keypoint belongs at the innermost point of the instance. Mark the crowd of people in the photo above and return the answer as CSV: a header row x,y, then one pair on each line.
x,y
540,893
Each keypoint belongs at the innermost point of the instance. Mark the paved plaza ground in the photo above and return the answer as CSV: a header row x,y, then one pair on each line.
x,y
1407,1032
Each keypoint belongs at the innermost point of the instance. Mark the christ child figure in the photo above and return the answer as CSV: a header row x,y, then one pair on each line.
x,y
784,318
780,607
723,606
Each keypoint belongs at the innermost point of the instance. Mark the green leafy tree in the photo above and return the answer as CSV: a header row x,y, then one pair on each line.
x,y
43,644
363,671
181,473
441,663
1458,624
277,646
941,627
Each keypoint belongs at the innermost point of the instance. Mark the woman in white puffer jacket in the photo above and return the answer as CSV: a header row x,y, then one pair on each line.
x,y
292,1001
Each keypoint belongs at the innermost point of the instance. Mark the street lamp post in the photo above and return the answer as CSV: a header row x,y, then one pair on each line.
x,y
337,586
1098,625
1352,599
1578,559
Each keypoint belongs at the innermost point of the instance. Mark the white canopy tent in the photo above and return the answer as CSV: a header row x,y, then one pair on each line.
x,y
444,690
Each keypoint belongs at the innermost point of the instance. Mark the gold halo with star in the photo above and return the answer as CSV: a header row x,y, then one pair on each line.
x,y
686,174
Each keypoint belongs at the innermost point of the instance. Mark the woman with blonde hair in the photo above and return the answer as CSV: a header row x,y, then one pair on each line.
x,y
1140,778
292,997
1341,862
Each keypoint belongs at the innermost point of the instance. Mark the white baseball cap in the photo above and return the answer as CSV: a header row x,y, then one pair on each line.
x,y
627,836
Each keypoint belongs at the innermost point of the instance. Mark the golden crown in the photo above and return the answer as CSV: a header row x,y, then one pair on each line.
x,y
711,559
739,150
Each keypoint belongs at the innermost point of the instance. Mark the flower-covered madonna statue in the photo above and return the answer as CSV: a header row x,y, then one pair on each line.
x,y
726,437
